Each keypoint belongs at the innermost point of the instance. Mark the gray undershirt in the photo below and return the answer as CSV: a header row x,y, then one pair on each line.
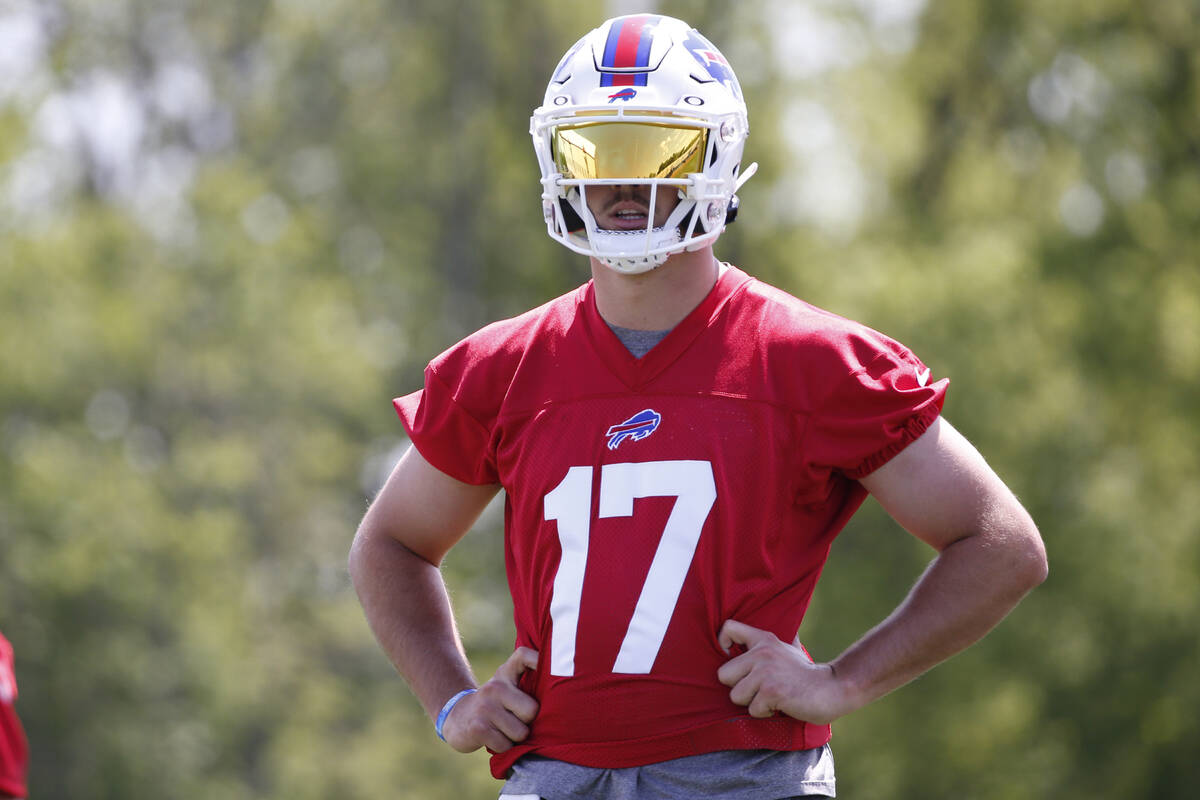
x,y
727,774
638,342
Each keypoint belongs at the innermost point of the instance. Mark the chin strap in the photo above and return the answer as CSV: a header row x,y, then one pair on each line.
x,y
732,211
745,176
571,219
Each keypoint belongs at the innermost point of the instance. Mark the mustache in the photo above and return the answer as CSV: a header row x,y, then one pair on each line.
x,y
627,194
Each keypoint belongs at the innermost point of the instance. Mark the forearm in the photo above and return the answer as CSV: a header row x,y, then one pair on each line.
x,y
405,602
967,590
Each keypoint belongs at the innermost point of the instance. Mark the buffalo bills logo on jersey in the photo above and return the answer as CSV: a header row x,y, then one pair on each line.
x,y
713,62
624,94
634,429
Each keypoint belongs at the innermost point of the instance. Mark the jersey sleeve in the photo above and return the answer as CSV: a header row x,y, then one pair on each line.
x,y
884,403
453,421
445,433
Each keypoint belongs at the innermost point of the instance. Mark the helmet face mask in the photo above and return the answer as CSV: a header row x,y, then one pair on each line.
x,y
645,101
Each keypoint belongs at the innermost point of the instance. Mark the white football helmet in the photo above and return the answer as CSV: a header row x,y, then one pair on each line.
x,y
642,100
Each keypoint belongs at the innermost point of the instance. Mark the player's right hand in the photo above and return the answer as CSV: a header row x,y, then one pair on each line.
x,y
498,715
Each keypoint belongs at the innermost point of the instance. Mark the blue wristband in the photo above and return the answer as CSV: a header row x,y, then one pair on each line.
x,y
446,709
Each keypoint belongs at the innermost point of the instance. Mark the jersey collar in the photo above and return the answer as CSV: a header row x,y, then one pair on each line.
x,y
636,373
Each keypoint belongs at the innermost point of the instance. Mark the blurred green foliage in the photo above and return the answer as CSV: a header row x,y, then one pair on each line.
x,y
232,232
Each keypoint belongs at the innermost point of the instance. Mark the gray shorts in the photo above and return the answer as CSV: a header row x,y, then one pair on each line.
x,y
728,774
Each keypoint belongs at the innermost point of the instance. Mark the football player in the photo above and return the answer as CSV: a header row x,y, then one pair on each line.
x,y
679,443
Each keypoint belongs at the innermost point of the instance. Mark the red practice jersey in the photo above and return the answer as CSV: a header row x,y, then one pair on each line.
x,y
650,500
14,752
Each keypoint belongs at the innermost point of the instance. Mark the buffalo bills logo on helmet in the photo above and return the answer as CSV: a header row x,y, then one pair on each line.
x,y
624,94
713,62
634,429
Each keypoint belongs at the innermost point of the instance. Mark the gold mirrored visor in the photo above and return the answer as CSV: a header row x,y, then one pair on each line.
x,y
632,150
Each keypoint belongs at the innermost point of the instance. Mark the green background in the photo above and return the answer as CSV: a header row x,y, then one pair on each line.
x,y
231,232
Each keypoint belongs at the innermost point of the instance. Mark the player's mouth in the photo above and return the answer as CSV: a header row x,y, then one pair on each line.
x,y
626,216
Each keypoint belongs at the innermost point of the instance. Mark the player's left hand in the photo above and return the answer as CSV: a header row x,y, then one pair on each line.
x,y
773,675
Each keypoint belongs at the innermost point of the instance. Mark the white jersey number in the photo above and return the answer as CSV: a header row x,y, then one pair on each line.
x,y
570,505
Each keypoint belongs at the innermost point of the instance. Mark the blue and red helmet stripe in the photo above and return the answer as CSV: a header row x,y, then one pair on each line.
x,y
628,47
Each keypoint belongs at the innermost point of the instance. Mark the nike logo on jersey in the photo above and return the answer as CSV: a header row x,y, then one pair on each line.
x,y
634,429
923,377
